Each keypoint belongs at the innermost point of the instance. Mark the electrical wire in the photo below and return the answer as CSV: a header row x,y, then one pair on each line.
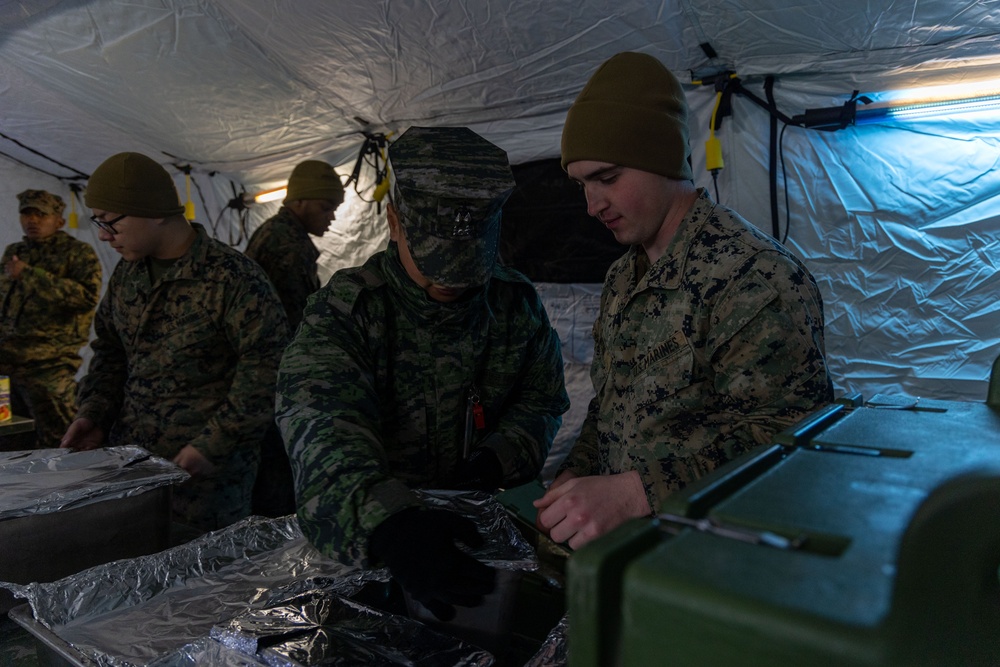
x,y
784,181
79,173
713,147
372,154
730,85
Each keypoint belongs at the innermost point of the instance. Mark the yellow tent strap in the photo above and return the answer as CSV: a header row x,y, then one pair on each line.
x,y
73,219
188,205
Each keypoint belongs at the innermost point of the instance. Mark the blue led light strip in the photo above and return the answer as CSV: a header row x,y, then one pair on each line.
x,y
865,115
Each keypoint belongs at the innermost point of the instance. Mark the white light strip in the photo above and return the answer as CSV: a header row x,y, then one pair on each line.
x,y
270,195
875,114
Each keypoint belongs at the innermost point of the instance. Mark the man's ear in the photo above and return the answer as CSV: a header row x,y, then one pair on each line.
x,y
395,229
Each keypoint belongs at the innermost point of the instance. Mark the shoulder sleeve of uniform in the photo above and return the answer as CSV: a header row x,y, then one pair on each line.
x,y
510,275
516,282
347,285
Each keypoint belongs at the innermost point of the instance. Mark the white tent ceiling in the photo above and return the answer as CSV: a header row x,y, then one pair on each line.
x,y
899,223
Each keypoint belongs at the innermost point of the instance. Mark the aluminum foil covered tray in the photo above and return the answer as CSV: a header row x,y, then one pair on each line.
x,y
41,481
263,589
318,629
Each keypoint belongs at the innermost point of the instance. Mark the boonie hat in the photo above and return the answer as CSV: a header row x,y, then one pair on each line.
x,y
46,202
314,179
449,186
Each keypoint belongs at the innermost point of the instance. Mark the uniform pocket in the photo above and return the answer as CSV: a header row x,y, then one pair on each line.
x,y
663,373
191,332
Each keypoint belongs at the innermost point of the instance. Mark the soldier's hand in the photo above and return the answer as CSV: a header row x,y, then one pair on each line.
x,y
14,266
419,547
560,479
82,434
581,509
194,462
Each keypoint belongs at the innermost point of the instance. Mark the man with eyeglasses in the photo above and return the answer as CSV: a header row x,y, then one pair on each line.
x,y
189,336
49,288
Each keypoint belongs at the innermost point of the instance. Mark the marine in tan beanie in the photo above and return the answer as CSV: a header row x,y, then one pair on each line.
x,y
283,248
706,324
135,204
626,142
314,193
188,338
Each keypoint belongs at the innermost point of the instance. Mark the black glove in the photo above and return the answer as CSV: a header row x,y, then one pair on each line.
x,y
418,546
480,472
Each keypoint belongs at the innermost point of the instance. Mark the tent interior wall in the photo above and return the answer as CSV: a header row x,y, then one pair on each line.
x,y
898,221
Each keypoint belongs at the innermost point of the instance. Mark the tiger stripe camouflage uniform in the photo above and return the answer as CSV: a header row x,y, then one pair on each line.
x,y
45,318
372,394
701,356
282,247
190,360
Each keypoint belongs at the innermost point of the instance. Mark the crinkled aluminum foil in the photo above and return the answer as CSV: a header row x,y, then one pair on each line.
x,y
146,610
554,650
318,629
41,481
207,652
134,611
504,547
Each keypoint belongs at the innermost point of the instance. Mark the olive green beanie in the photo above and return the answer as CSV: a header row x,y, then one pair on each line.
x,y
314,179
631,113
133,184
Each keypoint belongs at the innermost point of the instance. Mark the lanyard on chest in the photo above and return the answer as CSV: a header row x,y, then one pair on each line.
x,y
475,420
468,350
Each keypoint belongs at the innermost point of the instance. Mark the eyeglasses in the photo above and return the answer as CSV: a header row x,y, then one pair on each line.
x,y
107,225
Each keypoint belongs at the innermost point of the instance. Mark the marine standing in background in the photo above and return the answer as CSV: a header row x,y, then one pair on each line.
x,y
709,338
189,336
50,286
430,366
281,245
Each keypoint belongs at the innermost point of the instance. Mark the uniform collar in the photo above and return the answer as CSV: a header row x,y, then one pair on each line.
x,y
51,240
415,301
668,270
190,265
286,216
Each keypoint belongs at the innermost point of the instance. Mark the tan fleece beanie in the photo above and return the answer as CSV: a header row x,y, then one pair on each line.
x,y
631,113
133,184
314,179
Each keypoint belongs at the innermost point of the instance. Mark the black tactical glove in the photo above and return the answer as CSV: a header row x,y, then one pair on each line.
x,y
418,546
480,472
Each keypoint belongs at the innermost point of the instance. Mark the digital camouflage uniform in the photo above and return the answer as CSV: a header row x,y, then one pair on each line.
x,y
373,391
286,253
284,250
45,318
702,356
190,360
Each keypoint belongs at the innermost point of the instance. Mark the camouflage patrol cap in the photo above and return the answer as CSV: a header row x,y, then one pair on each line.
x,y
449,186
46,202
